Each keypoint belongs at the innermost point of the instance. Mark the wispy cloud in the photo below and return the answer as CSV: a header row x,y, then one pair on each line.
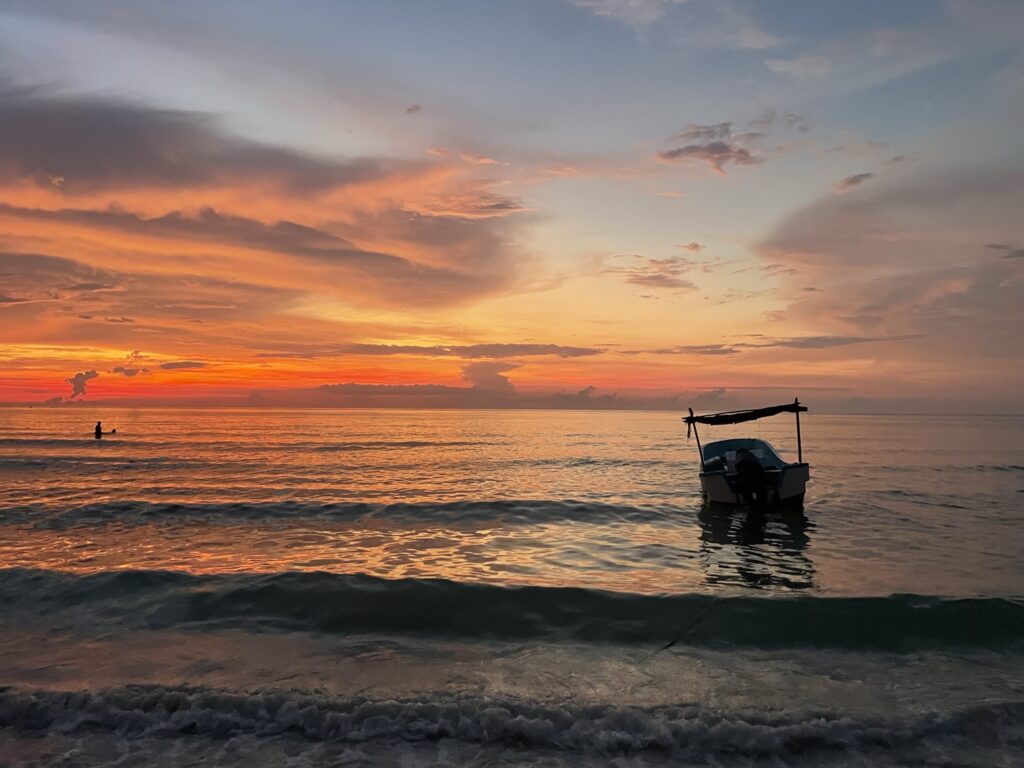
x,y
718,144
128,372
656,273
697,132
792,342
399,231
717,154
802,67
738,28
465,351
181,365
898,260
1009,252
721,24
475,159
845,185
43,136
633,12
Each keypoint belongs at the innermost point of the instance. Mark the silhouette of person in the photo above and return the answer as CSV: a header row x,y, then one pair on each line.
x,y
99,430
750,478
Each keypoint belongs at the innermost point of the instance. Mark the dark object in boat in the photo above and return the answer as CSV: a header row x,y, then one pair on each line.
x,y
749,471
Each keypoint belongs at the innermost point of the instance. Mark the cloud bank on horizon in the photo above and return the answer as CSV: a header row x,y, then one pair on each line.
x,y
580,203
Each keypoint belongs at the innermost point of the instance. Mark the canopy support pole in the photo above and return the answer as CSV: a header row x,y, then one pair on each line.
x,y
700,451
799,445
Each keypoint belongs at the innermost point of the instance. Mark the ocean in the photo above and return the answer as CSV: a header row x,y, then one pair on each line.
x,y
260,587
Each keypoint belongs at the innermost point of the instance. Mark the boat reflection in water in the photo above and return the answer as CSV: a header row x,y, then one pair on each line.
x,y
755,549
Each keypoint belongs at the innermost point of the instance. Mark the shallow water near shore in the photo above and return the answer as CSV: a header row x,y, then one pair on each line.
x,y
504,587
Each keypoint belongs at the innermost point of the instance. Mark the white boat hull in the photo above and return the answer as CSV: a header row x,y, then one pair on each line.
x,y
786,486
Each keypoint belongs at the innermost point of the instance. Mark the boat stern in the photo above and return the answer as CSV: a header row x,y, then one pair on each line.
x,y
787,484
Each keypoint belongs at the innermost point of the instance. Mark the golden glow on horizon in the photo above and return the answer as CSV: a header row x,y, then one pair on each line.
x,y
359,243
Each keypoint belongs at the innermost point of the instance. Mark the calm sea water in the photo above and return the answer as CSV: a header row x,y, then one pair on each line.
x,y
262,587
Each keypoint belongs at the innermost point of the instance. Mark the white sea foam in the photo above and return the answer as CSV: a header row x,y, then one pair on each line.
x,y
687,731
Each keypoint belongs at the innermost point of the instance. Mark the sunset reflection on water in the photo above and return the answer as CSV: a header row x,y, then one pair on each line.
x,y
588,499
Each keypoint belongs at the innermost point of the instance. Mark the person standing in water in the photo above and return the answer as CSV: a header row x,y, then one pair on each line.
x,y
751,479
99,430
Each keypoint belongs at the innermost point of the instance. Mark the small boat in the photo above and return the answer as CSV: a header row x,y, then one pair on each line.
x,y
760,477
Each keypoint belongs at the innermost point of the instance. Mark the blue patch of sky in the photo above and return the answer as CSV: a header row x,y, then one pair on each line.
x,y
811,21
908,108
546,76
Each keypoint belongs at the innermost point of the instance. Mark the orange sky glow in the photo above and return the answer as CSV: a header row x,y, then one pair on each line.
x,y
751,230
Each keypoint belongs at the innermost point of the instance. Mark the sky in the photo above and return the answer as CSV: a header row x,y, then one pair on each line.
x,y
531,203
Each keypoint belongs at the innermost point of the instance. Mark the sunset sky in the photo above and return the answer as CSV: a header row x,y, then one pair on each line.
x,y
548,202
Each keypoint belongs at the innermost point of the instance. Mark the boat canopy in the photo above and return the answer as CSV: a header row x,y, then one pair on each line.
x,y
738,417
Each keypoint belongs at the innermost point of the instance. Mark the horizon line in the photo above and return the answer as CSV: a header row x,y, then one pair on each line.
x,y
249,407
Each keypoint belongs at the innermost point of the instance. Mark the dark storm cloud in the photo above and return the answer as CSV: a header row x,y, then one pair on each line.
x,y
79,143
129,372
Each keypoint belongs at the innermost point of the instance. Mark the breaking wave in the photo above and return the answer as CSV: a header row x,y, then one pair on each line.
x,y
689,730
358,604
